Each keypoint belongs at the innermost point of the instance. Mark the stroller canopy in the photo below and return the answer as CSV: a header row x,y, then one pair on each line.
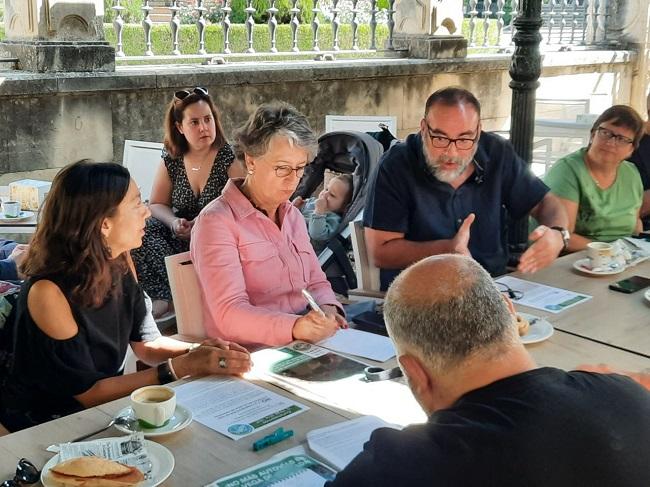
x,y
350,152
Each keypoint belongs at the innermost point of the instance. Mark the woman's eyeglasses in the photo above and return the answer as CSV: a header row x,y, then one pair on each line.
x,y
26,474
284,171
181,95
511,293
607,134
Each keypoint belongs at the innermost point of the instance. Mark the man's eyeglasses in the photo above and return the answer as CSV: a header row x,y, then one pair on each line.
x,y
607,134
26,474
284,171
181,95
442,142
513,294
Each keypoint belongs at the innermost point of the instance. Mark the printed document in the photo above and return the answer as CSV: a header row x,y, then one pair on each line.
x,y
360,343
234,407
540,296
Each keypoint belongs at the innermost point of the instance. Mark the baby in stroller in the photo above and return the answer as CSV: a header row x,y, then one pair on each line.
x,y
323,214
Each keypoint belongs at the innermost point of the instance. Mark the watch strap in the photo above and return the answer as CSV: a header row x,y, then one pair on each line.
x,y
165,373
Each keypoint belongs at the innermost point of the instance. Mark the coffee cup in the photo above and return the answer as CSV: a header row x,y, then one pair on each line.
x,y
600,254
11,209
153,406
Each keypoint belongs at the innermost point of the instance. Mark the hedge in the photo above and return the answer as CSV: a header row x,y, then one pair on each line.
x,y
134,45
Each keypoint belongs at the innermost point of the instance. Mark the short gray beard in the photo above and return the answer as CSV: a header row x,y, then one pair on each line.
x,y
445,176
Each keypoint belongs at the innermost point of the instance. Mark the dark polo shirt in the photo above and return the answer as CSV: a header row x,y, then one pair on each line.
x,y
405,197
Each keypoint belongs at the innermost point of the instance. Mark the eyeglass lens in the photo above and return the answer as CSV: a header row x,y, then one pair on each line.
x,y
608,134
26,473
284,171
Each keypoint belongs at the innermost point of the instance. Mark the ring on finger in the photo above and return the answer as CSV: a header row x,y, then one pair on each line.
x,y
223,363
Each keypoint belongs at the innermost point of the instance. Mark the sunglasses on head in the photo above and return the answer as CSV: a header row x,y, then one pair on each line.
x,y
26,474
181,95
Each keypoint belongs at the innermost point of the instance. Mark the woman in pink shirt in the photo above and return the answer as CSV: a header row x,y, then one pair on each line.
x,y
250,246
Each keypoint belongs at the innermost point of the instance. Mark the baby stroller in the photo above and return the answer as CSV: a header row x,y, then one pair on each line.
x,y
355,153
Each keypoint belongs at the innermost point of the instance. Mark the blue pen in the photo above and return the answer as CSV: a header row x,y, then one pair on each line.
x,y
276,437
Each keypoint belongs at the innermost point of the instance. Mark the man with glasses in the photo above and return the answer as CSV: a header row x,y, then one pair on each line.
x,y
447,188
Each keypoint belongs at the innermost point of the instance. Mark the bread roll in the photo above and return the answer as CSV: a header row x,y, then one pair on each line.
x,y
522,325
94,472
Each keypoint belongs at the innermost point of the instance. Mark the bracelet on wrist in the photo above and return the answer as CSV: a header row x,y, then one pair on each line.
x,y
193,347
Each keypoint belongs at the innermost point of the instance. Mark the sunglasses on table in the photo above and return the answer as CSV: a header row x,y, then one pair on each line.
x,y
26,474
181,95
513,294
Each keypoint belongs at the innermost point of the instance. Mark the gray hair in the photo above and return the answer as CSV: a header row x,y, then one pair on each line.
x,y
270,120
464,314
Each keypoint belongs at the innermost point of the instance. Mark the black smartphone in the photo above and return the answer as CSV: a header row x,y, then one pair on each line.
x,y
630,285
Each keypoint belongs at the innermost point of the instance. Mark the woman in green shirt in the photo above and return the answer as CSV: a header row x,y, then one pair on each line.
x,y
600,190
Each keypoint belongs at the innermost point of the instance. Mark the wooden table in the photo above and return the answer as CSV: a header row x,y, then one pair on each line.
x,y
613,318
202,455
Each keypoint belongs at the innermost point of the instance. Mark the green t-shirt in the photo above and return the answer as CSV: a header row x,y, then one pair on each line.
x,y
603,214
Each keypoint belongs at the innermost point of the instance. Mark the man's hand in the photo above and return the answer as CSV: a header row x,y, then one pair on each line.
x,y
461,240
298,202
547,245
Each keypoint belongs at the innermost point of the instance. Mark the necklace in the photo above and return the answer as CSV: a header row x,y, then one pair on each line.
x,y
195,168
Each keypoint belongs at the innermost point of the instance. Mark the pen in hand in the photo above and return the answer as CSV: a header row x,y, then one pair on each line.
x,y
312,302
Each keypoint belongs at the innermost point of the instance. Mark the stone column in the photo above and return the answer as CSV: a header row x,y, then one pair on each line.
x,y
430,29
57,35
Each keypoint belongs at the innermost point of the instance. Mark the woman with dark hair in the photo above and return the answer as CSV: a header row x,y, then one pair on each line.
x,y
81,306
196,164
600,190
250,246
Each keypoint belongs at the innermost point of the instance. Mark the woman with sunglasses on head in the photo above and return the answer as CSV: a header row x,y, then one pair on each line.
x,y
250,246
600,190
81,306
196,164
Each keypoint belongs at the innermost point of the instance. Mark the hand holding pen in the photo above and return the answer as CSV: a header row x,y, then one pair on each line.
x,y
318,324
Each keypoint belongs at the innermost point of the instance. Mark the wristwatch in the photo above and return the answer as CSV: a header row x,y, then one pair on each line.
x,y
166,373
565,236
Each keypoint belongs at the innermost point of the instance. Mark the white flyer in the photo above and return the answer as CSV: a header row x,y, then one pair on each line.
x,y
540,296
234,407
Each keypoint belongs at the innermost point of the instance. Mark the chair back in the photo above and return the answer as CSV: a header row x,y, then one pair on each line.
x,y
186,294
367,274
142,159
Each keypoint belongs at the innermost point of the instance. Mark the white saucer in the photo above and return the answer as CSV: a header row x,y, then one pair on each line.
x,y
539,330
162,464
181,418
646,295
581,265
22,216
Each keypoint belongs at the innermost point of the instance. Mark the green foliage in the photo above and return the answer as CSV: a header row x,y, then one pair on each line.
x,y
133,38
132,13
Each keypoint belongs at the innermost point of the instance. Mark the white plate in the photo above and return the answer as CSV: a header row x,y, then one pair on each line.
x,y
581,264
162,464
24,215
646,295
539,330
181,418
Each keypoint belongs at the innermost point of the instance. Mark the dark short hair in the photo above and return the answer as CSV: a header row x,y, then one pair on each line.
x,y
175,142
68,242
622,116
452,96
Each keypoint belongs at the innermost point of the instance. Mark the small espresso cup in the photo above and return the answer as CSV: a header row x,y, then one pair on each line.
x,y
11,209
600,254
153,405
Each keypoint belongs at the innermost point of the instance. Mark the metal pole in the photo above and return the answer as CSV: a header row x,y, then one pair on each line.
x,y
525,70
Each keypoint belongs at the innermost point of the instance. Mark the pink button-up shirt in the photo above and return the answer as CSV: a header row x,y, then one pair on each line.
x,y
252,272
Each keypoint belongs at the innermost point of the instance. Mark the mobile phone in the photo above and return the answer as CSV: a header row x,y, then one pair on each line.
x,y
630,285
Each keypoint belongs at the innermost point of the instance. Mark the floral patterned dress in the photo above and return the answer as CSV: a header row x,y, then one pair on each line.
x,y
158,241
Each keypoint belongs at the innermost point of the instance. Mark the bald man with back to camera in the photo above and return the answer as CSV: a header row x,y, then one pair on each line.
x,y
495,418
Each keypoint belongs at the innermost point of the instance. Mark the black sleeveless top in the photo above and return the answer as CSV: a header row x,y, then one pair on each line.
x,y
47,373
